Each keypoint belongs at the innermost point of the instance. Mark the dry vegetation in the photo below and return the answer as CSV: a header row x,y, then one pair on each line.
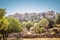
x,y
43,39
37,39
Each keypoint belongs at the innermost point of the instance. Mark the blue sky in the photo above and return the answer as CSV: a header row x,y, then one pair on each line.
x,y
22,6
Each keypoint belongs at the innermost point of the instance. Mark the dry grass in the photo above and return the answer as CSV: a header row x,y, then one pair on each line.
x,y
34,39
41,39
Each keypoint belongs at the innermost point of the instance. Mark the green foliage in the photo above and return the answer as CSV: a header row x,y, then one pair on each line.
x,y
2,12
40,30
57,20
57,25
51,23
43,23
28,24
14,25
40,26
36,29
32,30
3,22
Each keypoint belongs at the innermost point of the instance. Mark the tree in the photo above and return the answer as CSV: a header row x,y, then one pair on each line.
x,y
2,13
43,23
57,20
28,24
40,26
34,28
51,23
8,24
3,23
14,25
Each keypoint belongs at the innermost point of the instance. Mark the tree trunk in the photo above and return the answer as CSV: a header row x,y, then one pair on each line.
x,y
5,35
0,38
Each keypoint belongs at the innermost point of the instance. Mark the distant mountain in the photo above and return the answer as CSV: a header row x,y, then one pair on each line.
x,y
34,16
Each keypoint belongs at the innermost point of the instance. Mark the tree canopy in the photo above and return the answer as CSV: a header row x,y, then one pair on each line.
x,y
43,22
3,22
28,24
14,25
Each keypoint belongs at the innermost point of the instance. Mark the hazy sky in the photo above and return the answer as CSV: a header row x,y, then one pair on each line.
x,y
22,6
